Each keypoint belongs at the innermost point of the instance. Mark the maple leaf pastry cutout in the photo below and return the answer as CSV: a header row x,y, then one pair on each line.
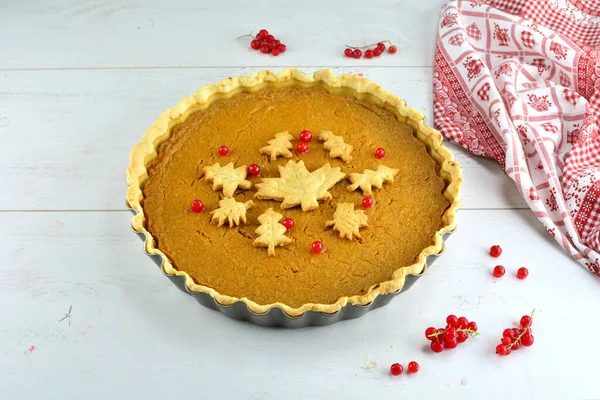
x,y
227,178
271,232
297,186
280,146
348,221
231,211
336,146
370,178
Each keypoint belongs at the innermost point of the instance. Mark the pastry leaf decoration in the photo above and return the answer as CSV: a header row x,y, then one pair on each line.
x,y
231,211
297,186
280,146
227,178
347,221
271,232
336,146
370,178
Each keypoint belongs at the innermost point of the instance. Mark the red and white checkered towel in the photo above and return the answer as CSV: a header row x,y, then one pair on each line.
x,y
517,81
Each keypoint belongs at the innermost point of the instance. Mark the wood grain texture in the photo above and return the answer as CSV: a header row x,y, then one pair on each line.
x,y
87,121
134,334
110,33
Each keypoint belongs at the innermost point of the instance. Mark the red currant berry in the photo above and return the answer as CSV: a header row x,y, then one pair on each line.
x,y
527,340
269,38
264,48
413,367
306,136
502,350
396,369
495,251
392,49
197,206
515,332
525,321
508,332
348,53
380,153
369,54
437,346
357,53
367,202
499,271
255,44
451,344
377,52
262,34
288,223
463,322
381,46
452,320
282,48
515,346
450,333
462,336
522,273
317,247
506,340
275,52
301,147
223,151
429,332
472,326
254,169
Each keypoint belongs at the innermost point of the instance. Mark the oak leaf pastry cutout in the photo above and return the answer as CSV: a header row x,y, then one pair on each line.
x,y
297,186
336,146
231,211
370,178
348,221
271,232
280,146
227,178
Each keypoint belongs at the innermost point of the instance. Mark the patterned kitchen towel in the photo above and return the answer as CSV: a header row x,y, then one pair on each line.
x,y
517,81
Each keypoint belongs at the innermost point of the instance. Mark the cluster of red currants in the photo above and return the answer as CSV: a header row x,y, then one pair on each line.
x,y
513,338
266,43
372,50
457,331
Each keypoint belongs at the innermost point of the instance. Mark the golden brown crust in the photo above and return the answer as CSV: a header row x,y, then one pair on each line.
x,y
147,150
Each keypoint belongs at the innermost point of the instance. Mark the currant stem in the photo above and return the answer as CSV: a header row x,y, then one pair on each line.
x,y
525,330
367,46
441,332
248,35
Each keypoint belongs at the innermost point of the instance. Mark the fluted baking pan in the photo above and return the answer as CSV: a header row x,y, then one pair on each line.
x,y
279,314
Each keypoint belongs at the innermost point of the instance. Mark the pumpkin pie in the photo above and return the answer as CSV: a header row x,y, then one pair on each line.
x,y
372,185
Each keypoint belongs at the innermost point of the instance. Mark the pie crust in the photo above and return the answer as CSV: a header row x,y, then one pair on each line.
x,y
361,88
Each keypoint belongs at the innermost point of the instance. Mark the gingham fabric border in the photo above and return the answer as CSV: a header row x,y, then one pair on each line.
x,y
516,80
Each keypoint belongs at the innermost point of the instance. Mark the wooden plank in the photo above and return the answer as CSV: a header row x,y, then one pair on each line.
x,y
70,132
133,334
109,33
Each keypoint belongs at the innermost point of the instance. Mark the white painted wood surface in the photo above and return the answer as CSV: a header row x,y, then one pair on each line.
x,y
79,83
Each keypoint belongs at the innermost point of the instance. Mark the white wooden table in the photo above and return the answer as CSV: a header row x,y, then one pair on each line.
x,y
80,81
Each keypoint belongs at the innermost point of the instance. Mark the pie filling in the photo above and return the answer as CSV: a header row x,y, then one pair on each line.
x,y
402,221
